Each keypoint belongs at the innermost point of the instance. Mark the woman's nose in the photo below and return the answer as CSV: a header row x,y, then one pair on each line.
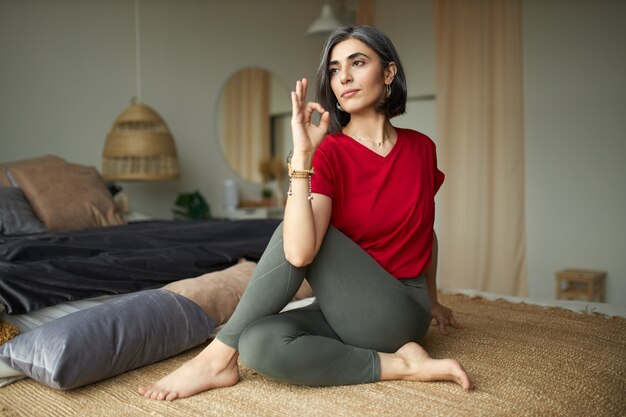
x,y
346,76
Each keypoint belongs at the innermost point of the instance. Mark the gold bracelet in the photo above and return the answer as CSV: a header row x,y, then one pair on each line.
x,y
304,173
300,173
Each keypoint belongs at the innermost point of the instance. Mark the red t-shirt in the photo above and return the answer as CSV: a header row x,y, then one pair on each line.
x,y
384,204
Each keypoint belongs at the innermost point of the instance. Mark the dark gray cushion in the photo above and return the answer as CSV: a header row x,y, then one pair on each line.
x,y
108,339
16,215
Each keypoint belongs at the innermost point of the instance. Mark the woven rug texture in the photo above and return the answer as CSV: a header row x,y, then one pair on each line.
x,y
525,360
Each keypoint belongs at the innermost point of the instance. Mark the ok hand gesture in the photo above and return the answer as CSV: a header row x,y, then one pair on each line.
x,y
306,135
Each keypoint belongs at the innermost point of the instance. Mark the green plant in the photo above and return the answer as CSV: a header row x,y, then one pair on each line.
x,y
266,192
192,206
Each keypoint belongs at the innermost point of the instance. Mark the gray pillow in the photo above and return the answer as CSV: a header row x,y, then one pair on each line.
x,y
16,215
109,339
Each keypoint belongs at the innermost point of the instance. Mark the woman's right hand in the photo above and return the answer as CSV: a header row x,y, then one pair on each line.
x,y
306,135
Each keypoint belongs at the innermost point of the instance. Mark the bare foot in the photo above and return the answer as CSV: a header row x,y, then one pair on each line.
x,y
412,363
214,367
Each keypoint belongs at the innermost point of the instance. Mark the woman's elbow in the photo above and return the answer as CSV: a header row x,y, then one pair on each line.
x,y
298,258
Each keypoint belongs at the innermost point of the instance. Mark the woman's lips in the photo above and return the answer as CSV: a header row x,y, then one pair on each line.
x,y
349,93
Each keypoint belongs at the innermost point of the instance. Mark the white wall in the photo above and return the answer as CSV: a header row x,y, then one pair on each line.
x,y
67,71
575,141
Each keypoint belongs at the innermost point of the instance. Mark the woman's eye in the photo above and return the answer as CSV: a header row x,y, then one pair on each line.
x,y
358,63
333,71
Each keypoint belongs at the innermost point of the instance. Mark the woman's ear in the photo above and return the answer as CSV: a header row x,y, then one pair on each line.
x,y
390,72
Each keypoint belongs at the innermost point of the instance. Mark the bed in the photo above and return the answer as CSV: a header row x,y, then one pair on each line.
x,y
94,296
105,308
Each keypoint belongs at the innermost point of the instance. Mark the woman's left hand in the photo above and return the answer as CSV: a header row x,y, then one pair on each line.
x,y
306,135
443,318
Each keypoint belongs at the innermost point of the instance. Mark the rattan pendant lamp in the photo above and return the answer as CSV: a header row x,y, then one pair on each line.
x,y
139,146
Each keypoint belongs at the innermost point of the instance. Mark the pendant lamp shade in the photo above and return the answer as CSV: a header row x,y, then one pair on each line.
x,y
326,23
139,147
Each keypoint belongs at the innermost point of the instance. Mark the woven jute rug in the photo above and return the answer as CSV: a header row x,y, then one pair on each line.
x,y
525,361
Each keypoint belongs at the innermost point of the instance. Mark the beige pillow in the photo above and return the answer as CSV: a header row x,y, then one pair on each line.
x,y
218,293
46,159
67,196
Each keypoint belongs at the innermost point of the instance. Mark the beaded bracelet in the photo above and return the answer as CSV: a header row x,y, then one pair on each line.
x,y
303,173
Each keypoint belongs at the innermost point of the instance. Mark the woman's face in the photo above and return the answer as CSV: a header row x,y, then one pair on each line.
x,y
356,76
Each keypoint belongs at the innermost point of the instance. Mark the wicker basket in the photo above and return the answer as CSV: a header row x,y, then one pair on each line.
x,y
139,147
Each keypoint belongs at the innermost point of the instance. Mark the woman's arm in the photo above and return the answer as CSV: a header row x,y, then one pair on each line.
x,y
431,272
441,314
306,220
305,225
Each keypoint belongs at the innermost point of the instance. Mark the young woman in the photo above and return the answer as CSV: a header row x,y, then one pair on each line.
x,y
358,225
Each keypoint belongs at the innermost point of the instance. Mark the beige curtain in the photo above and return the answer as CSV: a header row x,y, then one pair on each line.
x,y
480,136
247,129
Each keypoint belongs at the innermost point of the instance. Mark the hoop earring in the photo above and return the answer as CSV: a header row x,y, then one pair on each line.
x,y
388,92
339,107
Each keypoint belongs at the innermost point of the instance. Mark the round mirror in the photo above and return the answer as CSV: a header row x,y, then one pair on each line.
x,y
253,122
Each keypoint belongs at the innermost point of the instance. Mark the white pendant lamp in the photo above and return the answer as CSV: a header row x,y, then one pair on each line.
x,y
326,23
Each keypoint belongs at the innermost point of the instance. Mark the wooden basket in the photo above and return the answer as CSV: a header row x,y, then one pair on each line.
x,y
139,147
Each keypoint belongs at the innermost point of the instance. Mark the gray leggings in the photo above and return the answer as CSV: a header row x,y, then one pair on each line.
x,y
360,310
